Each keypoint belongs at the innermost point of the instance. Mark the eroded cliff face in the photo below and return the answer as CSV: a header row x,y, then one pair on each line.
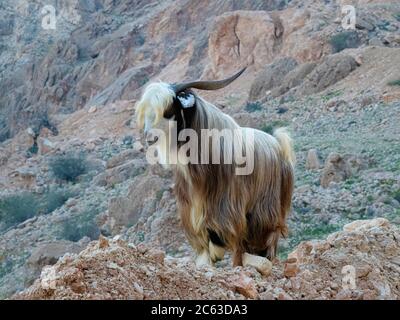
x,y
99,52
103,51
73,90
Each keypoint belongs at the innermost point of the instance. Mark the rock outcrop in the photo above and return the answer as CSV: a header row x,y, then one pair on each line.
x,y
270,77
360,262
312,161
336,169
330,71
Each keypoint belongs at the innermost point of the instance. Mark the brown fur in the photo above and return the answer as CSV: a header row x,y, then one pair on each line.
x,y
245,214
248,213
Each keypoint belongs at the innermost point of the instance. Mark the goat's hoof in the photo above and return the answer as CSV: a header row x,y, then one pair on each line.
x,y
203,260
262,264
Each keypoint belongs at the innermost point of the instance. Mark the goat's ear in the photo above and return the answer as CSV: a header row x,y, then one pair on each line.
x,y
187,100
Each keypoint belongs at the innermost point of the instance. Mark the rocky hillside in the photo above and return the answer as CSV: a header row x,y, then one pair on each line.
x,y
313,271
73,168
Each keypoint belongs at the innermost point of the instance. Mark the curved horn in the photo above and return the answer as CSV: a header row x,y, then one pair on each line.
x,y
207,85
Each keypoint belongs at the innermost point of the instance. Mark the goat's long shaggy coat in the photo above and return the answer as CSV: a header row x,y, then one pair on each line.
x,y
219,209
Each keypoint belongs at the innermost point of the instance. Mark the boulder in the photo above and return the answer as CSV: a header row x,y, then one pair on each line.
x,y
246,286
336,169
140,202
271,76
45,145
312,161
294,78
331,70
241,38
22,141
48,253
27,175
291,268
363,23
120,173
121,158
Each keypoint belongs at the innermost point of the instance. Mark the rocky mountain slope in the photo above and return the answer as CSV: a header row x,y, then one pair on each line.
x,y
73,167
314,270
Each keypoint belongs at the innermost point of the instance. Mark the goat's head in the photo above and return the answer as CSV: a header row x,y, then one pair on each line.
x,y
162,103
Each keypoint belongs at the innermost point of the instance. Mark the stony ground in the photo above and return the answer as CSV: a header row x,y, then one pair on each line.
x,y
316,270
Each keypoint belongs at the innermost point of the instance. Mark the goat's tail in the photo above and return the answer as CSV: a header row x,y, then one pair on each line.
x,y
285,141
287,174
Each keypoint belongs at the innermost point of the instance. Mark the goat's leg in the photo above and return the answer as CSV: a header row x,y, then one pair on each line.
x,y
210,256
272,244
216,252
262,264
237,258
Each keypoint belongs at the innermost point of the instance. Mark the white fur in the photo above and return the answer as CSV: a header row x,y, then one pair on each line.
x,y
156,98
187,102
203,259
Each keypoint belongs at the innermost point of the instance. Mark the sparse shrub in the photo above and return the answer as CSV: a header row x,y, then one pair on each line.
x,y
160,193
332,94
394,83
17,208
143,81
383,25
69,167
396,195
282,110
5,267
84,225
140,236
270,127
128,140
253,106
319,231
139,40
344,40
40,121
4,130
54,199
33,149
397,16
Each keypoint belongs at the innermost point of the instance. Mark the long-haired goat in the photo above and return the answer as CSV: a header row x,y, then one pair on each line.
x,y
220,210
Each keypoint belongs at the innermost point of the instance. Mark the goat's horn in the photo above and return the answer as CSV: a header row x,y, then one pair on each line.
x,y
207,85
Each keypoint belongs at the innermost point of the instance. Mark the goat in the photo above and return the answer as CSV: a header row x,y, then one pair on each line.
x,y
220,210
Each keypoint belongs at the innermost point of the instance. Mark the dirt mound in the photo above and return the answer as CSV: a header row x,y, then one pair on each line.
x,y
116,270
361,262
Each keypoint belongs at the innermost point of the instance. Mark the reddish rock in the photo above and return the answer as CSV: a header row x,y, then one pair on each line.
x,y
291,268
246,286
